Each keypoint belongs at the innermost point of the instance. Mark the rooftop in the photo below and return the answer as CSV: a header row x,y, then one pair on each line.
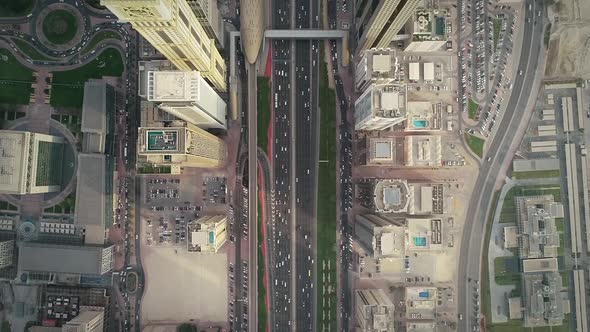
x,y
391,196
94,108
36,257
91,196
13,166
162,140
173,85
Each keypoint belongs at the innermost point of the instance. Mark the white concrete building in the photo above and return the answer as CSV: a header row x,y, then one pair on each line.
x,y
187,96
376,66
380,107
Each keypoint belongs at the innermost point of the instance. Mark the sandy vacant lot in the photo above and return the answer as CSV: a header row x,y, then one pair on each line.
x,y
184,286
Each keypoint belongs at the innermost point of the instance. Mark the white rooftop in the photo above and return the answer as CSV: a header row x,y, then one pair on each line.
x,y
173,86
389,100
381,63
12,169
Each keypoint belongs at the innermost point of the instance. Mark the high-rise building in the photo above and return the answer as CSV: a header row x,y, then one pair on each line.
x,y
30,163
381,236
207,234
6,253
181,144
376,66
208,15
86,321
172,27
380,107
65,259
374,311
380,20
188,97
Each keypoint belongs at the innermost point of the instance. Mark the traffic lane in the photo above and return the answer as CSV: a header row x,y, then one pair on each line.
x,y
476,234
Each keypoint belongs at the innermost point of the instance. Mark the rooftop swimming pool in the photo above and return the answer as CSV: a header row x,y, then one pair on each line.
x,y
419,123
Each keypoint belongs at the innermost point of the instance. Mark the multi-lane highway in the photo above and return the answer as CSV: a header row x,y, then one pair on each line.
x,y
473,235
304,165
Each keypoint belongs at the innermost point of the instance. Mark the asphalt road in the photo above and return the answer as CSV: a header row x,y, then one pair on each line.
x,y
473,235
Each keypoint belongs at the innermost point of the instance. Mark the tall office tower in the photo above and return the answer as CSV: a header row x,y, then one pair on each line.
x,y
172,27
374,311
208,15
86,321
30,163
181,144
381,236
187,96
381,20
380,107
207,234
6,253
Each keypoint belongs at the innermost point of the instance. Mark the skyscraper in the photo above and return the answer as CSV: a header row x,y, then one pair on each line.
x,y
182,144
172,27
187,96
374,311
380,22
208,15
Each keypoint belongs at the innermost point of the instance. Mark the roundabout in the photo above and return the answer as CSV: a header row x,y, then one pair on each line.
x,y
59,26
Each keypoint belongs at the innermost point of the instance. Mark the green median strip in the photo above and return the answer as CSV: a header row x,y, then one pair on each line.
x,y
326,219
536,174
263,116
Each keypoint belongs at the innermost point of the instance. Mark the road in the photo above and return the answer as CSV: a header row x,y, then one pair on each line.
x,y
473,235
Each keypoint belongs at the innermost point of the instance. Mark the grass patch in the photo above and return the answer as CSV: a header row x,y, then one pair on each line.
x,y
547,35
67,88
326,225
508,214
16,7
566,325
60,26
485,282
6,326
475,144
30,51
7,206
150,169
262,312
497,26
472,107
559,226
187,327
15,80
66,206
263,102
99,37
536,174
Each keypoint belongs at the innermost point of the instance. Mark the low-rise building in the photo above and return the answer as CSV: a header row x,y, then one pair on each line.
x,y
538,236
30,163
542,299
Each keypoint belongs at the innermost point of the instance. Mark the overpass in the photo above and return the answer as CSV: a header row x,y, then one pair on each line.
x,y
307,34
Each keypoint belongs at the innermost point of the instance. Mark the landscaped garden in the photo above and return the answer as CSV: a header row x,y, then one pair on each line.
x,y
15,80
60,26
13,8
29,50
475,144
67,89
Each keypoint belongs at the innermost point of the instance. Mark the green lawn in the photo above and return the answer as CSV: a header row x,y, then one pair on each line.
x,y
29,50
7,206
326,225
262,313
66,206
536,174
485,282
547,35
506,270
508,214
496,33
15,80
263,101
68,86
149,169
472,108
16,7
187,327
475,144
99,37
6,326
60,26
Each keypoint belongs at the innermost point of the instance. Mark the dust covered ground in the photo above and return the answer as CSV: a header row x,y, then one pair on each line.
x,y
569,46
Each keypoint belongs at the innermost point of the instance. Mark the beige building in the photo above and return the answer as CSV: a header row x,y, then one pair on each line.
x,y
381,236
187,96
172,27
86,321
376,66
380,107
6,253
30,163
251,28
207,234
423,150
374,311
378,24
208,15
182,145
